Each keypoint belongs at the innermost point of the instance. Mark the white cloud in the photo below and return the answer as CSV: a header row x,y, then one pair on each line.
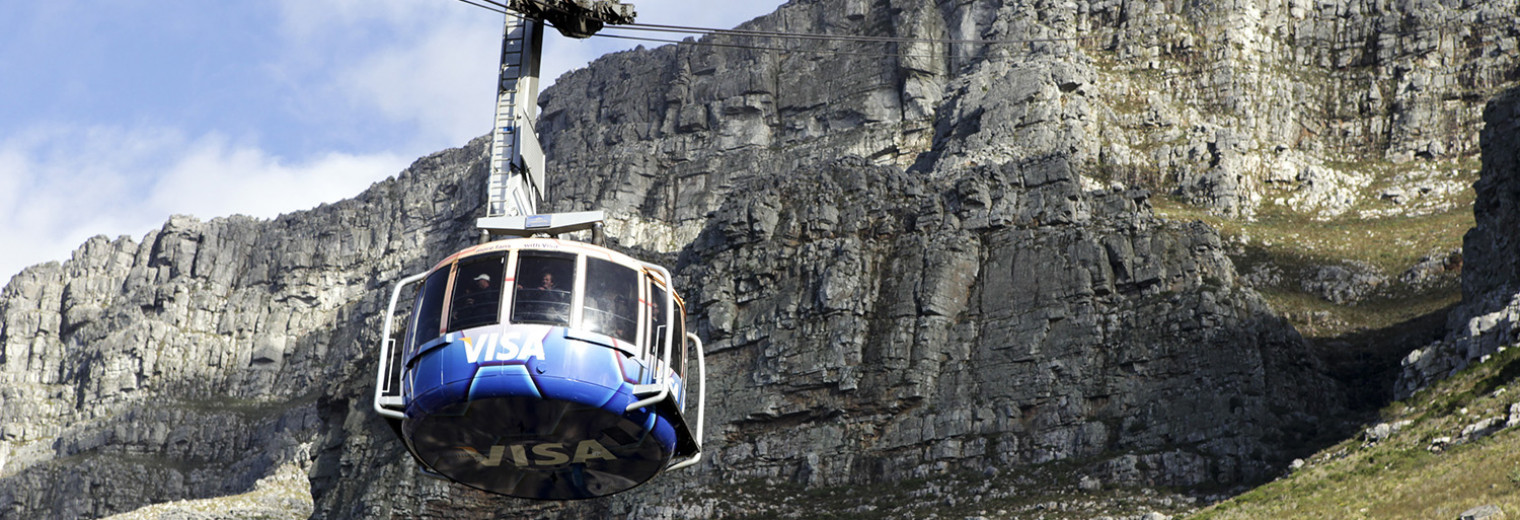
x,y
441,82
305,20
419,74
368,71
60,186
215,178
431,64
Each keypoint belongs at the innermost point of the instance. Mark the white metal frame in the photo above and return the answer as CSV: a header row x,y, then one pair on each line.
x,y
701,404
383,404
517,161
659,385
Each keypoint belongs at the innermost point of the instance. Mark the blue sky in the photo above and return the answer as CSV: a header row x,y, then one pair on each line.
x,y
116,114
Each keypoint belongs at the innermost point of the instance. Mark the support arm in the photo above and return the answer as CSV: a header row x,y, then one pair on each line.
x,y
576,18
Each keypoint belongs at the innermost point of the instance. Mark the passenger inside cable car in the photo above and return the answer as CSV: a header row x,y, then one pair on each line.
x,y
609,309
476,295
547,299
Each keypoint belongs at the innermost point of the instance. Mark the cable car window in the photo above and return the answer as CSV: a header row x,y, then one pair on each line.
x,y
544,281
657,320
678,358
477,292
429,308
612,294
410,322
402,338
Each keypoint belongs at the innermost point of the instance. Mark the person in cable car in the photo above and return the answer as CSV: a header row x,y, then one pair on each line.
x,y
477,298
549,301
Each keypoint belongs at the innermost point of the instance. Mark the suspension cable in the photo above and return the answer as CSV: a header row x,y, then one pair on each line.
x,y
781,35
500,5
700,43
841,37
502,8
686,29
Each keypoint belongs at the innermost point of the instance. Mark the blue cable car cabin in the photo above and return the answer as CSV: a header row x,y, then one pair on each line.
x,y
542,368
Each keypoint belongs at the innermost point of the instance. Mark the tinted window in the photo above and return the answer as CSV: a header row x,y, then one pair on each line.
x,y
410,322
612,295
429,308
477,292
657,320
544,281
678,358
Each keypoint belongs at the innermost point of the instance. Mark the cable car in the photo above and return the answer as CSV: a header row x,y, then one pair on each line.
x,y
542,368
537,367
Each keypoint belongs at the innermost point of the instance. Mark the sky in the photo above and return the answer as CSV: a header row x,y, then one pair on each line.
x,y
117,114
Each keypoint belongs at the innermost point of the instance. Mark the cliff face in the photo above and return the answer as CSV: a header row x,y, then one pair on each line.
x,y
909,262
1489,317
1234,105
889,328
210,354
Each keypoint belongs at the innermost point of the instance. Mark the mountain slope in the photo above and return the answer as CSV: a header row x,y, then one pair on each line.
x,y
915,265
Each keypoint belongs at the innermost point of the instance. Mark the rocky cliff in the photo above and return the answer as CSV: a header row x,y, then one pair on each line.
x,y
208,355
1486,322
926,269
1232,104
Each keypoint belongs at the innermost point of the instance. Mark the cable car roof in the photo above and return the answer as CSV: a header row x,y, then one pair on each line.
x,y
550,244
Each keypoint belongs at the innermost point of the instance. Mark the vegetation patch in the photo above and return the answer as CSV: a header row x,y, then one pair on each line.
x,y
1284,236
1051,491
1366,286
1452,450
1289,247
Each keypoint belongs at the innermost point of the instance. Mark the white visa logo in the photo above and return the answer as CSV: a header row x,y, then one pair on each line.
x,y
502,347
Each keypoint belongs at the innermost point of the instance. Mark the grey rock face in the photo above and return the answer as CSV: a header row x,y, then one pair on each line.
x,y
1347,283
908,261
1492,248
199,360
1490,311
1485,512
1231,105
915,335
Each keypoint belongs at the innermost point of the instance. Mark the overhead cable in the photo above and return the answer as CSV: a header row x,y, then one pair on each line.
x,y
700,43
709,44
687,29
782,35
841,37
500,9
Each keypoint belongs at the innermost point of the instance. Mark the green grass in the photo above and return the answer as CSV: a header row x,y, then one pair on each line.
x,y
1320,319
1402,476
1295,244
1361,341
1391,244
